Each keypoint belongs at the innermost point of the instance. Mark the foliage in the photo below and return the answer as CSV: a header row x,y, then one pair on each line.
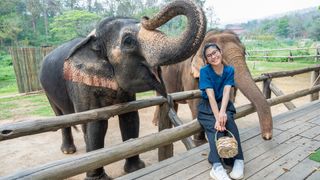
x,y
51,22
71,24
282,28
7,76
297,25
314,29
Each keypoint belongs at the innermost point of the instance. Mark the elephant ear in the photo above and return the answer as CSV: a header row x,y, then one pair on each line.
x,y
196,64
85,65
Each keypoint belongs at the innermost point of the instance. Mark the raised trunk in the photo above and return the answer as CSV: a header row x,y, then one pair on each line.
x,y
162,50
234,55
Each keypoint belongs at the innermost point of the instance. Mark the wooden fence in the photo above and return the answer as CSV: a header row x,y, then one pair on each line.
x,y
286,54
163,140
26,64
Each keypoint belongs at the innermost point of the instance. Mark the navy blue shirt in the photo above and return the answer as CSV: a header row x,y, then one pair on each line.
x,y
211,80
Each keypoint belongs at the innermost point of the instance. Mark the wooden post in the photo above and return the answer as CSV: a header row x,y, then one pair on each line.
x,y
278,92
166,151
315,80
188,142
16,68
266,88
266,55
317,58
290,59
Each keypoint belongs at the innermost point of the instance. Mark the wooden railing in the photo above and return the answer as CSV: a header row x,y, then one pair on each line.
x,y
289,55
163,140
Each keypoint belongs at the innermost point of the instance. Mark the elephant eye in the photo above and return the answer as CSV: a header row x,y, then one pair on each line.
x,y
129,42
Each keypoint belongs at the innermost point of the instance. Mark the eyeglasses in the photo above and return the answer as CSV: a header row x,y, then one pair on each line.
x,y
213,54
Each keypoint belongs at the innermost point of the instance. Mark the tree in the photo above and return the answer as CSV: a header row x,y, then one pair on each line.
x,y
34,8
295,28
10,21
314,30
71,24
282,27
10,27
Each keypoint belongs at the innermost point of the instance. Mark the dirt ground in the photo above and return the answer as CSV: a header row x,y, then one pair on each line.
x,y
30,151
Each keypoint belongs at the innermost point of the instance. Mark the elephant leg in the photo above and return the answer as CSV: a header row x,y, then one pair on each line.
x,y
94,137
67,146
233,93
155,119
129,126
156,116
200,137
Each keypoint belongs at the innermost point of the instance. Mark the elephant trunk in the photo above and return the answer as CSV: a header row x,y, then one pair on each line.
x,y
236,56
162,50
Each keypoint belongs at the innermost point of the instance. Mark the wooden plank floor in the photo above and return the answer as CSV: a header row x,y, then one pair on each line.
x,y
296,134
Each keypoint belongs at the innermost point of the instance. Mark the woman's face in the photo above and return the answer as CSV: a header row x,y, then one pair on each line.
x,y
213,56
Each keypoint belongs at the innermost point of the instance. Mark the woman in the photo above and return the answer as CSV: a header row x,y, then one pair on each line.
x,y
216,111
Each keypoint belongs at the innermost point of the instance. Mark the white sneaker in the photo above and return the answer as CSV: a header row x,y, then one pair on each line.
x,y
219,173
237,170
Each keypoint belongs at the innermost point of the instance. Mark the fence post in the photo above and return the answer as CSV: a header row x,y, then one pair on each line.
x,y
266,88
315,80
266,55
290,59
317,58
166,151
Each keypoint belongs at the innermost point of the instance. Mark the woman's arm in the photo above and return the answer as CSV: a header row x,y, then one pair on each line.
x,y
225,99
214,108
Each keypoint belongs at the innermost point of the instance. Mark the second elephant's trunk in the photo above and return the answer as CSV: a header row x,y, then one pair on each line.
x,y
164,50
235,56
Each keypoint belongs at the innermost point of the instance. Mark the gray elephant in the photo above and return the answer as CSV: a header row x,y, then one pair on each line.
x,y
111,66
184,76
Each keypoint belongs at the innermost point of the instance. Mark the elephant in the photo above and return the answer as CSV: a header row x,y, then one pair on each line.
x,y
110,66
184,76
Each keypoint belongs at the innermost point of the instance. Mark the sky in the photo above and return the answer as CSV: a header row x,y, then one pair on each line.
x,y
237,11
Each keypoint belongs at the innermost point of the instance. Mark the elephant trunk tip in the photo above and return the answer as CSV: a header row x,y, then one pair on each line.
x,y
267,136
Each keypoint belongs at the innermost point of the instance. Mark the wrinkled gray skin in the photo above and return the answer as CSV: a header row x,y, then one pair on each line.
x,y
178,77
111,66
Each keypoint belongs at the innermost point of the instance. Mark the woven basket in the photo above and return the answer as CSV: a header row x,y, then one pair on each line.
x,y
227,147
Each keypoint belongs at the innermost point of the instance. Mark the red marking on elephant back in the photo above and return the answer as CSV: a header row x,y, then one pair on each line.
x,y
74,74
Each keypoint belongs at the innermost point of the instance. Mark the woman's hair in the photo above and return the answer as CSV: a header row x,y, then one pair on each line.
x,y
213,45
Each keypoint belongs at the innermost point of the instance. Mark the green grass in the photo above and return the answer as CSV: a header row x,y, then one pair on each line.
x,y
259,67
144,95
315,156
24,106
8,83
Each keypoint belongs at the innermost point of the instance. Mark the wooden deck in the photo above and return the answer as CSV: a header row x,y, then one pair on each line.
x,y
296,134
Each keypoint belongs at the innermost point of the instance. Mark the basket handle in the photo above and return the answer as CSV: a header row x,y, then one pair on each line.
x,y
216,138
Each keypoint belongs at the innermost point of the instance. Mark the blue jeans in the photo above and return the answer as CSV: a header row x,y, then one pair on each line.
x,y
207,121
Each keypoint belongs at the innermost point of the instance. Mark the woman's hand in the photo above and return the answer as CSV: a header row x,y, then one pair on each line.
x,y
222,120
217,126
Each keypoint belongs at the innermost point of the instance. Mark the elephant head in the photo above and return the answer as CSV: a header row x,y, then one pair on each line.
x,y
123,52
233,53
